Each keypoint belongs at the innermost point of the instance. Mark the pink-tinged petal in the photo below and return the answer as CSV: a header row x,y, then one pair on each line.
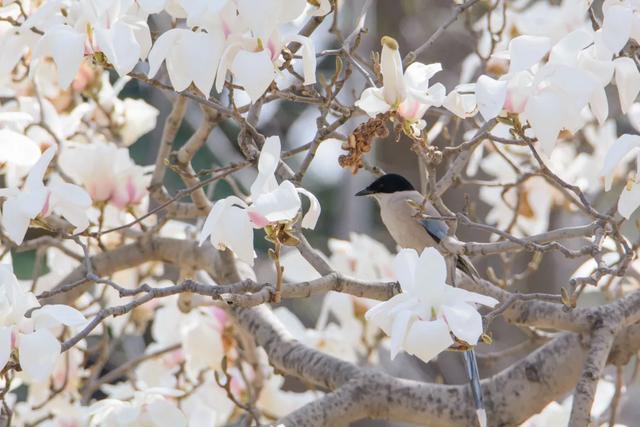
x,y
254,71
404,266
399,330
372,102
629,200
17,149
66,47
464,321
546,114
417,75
490,96
52,315
627,81
5,345
616,27
526,51
622,148
394,89
310,219
267,165
426,339
282,204
38,353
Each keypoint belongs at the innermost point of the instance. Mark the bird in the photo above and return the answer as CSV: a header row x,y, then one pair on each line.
x,y
398,201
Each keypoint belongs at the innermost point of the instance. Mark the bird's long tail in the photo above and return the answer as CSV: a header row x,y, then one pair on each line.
x,y
474,381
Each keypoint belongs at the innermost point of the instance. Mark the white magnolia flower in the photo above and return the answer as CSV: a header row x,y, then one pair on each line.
x,y
37,346
106,171
150,407
625,147
191,56
423,317
37,199
230,221
409,94
254,43
550,97
88,27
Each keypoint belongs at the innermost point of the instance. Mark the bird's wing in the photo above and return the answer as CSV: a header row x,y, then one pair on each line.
x,y
436,228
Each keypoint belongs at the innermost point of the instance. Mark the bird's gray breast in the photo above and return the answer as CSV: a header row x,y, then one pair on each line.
x,y
399,218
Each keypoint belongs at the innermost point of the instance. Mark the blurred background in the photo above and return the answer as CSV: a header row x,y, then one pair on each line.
x,y
410,22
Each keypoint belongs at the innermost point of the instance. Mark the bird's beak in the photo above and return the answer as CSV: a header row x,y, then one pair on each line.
x,y
365,192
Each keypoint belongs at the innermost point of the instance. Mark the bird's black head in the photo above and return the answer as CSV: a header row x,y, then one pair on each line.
x,y
389,183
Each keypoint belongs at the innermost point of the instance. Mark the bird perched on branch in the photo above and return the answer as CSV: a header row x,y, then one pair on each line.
x,y
400,206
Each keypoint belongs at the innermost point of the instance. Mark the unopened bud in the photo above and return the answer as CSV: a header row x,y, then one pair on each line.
x,y
390,42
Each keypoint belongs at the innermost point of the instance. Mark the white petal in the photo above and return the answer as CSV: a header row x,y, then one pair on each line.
x,y
462,295
280,205
164,414
417,75
567,49
236,233
634,116
38,353
464,321
545,113
404,266
526,51
66,47
36,174
616,27
372,102
14,220
394,89
431,276
490,96
629,200
161,49
253,71
60,314
599,105
618,151
206,49
119,45
308,57
399,330
627,81
310,219
426,340
267,165
17,149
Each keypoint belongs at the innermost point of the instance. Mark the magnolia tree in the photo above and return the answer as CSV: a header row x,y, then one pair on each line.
x,y
168,294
